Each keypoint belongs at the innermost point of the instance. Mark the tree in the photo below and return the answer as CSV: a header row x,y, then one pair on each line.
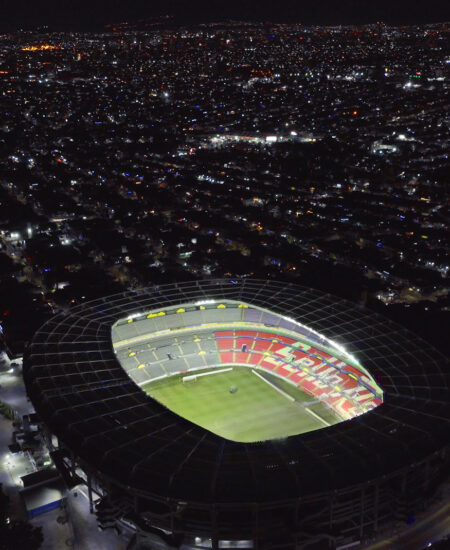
x,y
17,533
20,534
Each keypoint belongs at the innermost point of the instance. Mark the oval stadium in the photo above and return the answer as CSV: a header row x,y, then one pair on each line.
x,y
241,414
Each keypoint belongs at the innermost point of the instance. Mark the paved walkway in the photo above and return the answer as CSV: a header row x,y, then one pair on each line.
x,y
87,535
80,532
16,506
12,392
57,536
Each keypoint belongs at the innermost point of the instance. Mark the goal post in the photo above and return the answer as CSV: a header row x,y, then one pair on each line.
x,y
193,377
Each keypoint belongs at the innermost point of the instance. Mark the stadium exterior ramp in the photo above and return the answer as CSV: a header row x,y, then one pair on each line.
x,y
191,488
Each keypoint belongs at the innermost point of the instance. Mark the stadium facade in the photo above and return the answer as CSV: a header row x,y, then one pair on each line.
x,y
183,486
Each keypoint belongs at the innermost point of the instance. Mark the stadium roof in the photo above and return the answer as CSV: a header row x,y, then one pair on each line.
x,y
82,393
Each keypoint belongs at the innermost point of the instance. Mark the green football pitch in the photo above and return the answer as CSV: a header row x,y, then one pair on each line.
x,y
256,411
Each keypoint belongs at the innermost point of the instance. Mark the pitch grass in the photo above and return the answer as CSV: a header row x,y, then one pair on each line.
x,y
256,412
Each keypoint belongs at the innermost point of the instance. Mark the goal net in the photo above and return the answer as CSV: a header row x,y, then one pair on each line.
x,y
191,378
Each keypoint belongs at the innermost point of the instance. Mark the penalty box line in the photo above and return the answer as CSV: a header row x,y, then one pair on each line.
x,y
195,376
274,387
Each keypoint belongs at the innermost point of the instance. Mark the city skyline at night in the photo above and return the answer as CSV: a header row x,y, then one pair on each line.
x,y
95,15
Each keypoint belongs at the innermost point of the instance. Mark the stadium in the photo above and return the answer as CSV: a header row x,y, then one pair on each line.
x,y
241,414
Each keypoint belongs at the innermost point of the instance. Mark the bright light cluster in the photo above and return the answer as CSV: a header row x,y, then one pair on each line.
x,y
40,47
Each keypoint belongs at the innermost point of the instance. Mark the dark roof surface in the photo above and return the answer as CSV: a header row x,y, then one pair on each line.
x,y
83,394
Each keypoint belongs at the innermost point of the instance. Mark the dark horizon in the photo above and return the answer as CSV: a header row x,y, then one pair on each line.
x,y
92,16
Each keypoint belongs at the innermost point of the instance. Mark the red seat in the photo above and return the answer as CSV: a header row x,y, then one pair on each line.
x,y
286,340
225,343
331,401
266,365
261,345
347,405
241,357
248,333
349,383
354,370
308,386
241,341
254,358
276,347
323,354
283,371
227,357
300,354
269,335
297,377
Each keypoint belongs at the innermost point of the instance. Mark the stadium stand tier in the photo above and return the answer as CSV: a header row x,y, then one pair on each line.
x,y
345,389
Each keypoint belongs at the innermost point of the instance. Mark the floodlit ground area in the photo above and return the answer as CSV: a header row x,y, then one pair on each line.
x,y
72,527
241,406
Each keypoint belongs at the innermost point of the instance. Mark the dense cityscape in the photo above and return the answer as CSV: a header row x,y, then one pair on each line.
x,y
312,154
147,154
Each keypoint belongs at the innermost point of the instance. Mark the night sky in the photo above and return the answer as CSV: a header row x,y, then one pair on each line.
x,y
93,14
